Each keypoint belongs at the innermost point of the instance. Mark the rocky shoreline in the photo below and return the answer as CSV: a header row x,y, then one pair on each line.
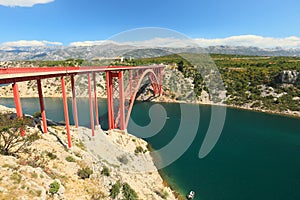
x,y
244,107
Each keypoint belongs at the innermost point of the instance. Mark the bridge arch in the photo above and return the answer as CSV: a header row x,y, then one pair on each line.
x,y
117,91
155,81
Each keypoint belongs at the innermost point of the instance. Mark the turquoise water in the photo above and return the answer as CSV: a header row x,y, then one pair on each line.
x,y
256,157
55,110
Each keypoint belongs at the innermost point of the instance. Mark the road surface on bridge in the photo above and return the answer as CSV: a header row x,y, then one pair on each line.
x,y
12,75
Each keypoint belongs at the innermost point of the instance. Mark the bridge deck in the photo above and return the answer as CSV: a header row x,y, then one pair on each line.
x,y
11,75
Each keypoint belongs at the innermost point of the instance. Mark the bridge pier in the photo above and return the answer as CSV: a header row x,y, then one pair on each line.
x,y
110,100
18,103
17,100
121,100
160,81
130,82
95,99
74,102
65,102
110,103
42,106
91,104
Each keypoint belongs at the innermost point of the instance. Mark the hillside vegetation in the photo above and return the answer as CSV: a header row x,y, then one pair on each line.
x,y
271,83
252,82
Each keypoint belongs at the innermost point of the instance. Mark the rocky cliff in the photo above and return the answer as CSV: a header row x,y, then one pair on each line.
x,y
49,170
289,77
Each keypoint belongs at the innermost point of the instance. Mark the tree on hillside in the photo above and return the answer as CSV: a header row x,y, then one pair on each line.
x,y
180,66
11,141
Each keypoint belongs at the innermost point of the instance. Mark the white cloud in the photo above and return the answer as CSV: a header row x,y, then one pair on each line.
x,y
242,40
252,40
25,43
23,3
155,42
164,42
87,43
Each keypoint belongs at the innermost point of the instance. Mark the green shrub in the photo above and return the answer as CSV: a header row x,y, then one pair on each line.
x,y
16,177
37,114
129,193
54,187
85,172
138,150
51,155
115,189
255,105
34,175
105,171
38,193
70,159
7,166
81,145
97,195
11,140
162,193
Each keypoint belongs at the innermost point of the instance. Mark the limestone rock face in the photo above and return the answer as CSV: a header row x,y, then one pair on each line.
x,y
289,77
29,175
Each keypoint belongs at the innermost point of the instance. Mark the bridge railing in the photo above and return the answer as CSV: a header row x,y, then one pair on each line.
x,y
22,70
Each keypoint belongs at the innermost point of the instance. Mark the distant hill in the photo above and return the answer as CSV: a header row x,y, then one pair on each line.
x,y
113,50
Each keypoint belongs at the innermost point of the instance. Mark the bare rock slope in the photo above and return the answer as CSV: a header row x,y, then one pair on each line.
x,y
112,157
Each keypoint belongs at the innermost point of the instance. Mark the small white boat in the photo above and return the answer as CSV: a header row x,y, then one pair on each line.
x,y
191,195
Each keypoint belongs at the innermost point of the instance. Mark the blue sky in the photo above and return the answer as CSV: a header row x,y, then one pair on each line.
x,y
68,21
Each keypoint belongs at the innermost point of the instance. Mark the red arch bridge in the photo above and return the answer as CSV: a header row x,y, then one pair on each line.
x,y
118,92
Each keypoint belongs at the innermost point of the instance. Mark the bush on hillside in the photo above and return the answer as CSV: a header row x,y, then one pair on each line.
x,y
115,189
54,187
129,193
85,172
11,141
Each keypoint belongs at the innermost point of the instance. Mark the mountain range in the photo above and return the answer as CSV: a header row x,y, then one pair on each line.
x,y
113,50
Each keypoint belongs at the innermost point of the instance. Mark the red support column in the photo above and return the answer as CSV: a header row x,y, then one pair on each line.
x,y
95,99
18,104
121,100
110,107
42,106
64,95
160,81
91,104
17,100
130,82
74,102
153,83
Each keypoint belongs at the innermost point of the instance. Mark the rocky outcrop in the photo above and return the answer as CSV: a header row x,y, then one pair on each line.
x,y
289,77
119,152
30,174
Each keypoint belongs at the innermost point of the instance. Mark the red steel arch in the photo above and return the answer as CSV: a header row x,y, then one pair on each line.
x,y
155,84
115,85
